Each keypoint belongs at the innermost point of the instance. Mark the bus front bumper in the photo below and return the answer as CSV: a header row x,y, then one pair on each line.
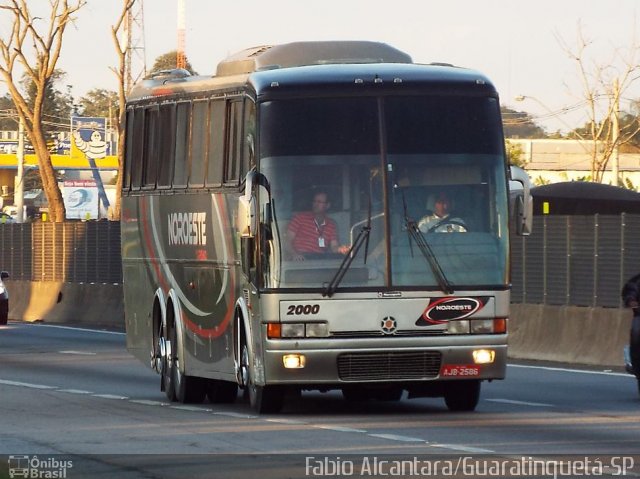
x,y
314,365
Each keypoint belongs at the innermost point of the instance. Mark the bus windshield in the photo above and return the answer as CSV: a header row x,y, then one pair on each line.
x,y
421,179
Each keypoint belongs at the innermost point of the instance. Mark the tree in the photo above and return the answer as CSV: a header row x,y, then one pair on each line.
x,y
603,86
515,154
8,119
100,103
168,61
120,72
519,124
56,107
34,43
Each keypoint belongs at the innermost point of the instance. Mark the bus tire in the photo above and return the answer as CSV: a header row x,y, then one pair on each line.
x,y
221,392
462,395
188,389
263,399
166,373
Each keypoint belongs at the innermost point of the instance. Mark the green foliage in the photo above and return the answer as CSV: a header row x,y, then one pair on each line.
x,y
539,181
99,103
519,124
628,184
57,105
515,154
168,61
7,120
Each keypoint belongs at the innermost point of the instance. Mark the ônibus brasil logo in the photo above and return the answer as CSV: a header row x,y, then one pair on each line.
x,y
445,309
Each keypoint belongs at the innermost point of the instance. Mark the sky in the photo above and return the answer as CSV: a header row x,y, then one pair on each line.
x,y
517,44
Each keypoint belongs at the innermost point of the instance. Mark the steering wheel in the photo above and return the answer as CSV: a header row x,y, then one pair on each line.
x,y
450,221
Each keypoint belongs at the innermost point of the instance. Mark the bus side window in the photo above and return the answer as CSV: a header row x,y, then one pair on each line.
x,y
181,157
129,158
150,155
198,143
215,151
167,144
137,148
234,142
249,136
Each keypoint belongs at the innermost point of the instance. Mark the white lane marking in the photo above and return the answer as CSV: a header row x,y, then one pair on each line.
x,y
81,353
458,447
72,328
520,403
285,421
568,370
108,396
146,402
395,437
73,391
338,428
26,385
236,415
191,408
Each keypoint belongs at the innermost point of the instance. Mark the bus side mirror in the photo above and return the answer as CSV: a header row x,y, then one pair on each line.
x,y
522,209
247,219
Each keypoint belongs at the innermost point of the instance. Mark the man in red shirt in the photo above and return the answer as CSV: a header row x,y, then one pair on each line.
x,y
313,231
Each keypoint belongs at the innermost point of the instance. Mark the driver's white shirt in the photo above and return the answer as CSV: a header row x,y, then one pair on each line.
x,y
430,221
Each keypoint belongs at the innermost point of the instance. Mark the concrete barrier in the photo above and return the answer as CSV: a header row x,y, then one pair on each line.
x,y
57,302
580,335
571,334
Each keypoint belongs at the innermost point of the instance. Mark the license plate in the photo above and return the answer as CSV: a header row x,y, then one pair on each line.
x,y
460,370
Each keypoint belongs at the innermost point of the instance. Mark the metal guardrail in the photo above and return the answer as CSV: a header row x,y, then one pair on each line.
x,y
567,260
576,260
73,252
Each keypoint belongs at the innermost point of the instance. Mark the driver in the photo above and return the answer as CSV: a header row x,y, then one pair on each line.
x,y
313,231
440,221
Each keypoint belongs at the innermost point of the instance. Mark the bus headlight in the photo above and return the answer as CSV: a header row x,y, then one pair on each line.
x,y
482,326
317,330
293,330
458,327
294,361
483,356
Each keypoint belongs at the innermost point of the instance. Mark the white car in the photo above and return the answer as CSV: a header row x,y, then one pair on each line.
x,y
4,298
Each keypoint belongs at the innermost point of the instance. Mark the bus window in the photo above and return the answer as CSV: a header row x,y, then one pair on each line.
x,y
128,165
216,142
167,145
198,144
136,149
249,136
234,142
181,157
150,155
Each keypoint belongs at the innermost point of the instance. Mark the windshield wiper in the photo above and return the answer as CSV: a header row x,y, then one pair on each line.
x,y
416,235
362,238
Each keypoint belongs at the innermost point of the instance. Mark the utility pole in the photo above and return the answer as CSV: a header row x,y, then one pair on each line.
x,y
615,137
18,190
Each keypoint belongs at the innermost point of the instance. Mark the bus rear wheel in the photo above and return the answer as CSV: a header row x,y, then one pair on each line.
x,y
263,399
462,395
188,389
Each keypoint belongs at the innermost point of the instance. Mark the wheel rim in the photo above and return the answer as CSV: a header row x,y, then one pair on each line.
x,y
244,367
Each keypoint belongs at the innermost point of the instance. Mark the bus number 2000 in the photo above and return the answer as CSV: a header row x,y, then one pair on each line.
x,y
303,309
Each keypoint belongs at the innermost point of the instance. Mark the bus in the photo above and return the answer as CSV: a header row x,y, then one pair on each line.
x,y
218,167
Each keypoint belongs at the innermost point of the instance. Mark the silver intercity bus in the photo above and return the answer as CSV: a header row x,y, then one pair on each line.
x,y
390,291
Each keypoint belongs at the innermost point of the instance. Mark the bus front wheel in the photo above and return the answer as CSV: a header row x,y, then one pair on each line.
x,y
263,399
462,395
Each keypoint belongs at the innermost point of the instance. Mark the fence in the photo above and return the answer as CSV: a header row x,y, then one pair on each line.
x,y
567,260
576,260
72,252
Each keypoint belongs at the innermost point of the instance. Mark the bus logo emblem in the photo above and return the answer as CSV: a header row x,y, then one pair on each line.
x,y
388,325
446,309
